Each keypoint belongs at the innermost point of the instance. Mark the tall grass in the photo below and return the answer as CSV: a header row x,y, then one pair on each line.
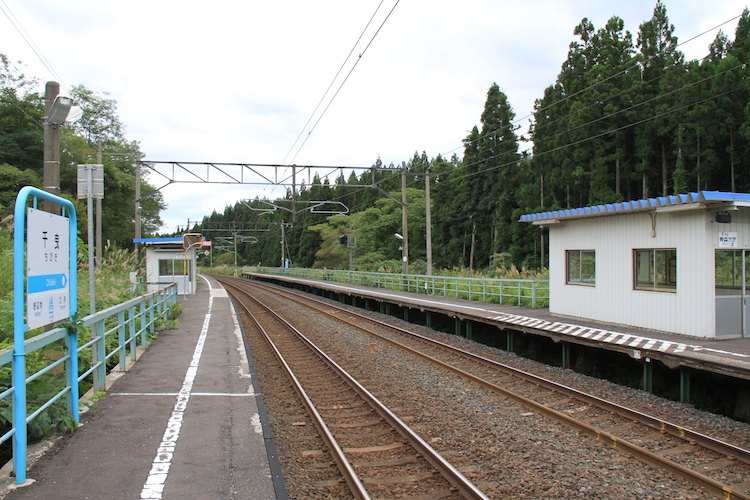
x,y
112,287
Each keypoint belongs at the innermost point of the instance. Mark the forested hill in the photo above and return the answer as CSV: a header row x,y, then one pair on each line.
x,y
627,117
21,144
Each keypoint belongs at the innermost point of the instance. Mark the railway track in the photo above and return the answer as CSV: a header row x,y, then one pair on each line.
x,y
719,467
376,453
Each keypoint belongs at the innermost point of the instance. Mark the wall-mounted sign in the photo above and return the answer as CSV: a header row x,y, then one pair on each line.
x,y
47,268
727,239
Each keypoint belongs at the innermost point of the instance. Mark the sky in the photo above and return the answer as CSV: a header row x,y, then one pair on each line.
x,y
239,81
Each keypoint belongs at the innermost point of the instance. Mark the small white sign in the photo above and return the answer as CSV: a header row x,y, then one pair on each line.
x,y
727,240
47,268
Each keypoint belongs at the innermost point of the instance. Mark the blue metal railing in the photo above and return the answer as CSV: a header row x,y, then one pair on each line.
x,y
129,323
520,292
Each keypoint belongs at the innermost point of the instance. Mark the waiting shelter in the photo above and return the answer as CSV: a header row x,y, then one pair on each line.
x,y
677,264
172,260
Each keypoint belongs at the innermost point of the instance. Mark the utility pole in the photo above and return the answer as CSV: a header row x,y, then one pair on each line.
x,y
282,245
51,170
404,224
99,250
234,233
294,195
137,217
428,220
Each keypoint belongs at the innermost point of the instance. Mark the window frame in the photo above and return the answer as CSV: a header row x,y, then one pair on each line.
x,y
661,261
582,255
176,266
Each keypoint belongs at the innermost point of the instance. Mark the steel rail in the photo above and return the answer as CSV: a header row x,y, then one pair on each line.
x,y
660,425
464,487
347,471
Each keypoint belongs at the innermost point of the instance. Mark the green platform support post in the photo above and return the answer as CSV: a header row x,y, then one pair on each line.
x,y
648,374
144,329
99,353
509,340
151,320
469,328
565,355
685,384
131,331
457,326
428,319
121,338
382,308
406,314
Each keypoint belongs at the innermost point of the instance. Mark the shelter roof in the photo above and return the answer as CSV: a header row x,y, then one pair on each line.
x,y
689,201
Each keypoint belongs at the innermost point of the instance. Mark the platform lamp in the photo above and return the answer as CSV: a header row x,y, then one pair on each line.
x,y
56,111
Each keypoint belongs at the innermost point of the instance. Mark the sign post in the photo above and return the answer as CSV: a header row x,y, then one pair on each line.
x,y
91,185
50,295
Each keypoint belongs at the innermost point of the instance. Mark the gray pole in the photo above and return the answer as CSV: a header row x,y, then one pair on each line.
x,y
294,193
235,253
90,221
137,202
350,245
282,245
428,220
51,170
404,224
99,249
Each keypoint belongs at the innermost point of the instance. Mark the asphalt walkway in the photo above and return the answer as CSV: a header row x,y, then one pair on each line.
x,y
183,422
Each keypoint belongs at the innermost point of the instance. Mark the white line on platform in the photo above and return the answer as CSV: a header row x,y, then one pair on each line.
x,y
157,477
173,394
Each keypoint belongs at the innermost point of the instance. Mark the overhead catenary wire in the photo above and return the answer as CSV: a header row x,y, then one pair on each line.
x,y
589,138
330,85
359,58
599,119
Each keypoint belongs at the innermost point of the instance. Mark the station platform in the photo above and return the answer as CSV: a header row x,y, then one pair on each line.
x,y
186,421
729,357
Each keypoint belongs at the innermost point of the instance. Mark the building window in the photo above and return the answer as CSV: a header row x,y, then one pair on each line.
x,y
173,268
581,267
655,269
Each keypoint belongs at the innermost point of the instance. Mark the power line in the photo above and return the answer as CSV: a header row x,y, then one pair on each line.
x,y
29,41
346,78
596,84
330,85
589,138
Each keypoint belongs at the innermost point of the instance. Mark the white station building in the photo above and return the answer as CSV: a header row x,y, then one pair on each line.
x,y
674,264
168,261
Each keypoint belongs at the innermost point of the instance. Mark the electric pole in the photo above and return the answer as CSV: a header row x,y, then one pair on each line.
x,y
99,250
428,220
51,170
137,217
404,224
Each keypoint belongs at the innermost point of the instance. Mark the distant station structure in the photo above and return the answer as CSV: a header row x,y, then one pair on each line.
x,y
676,264
172,260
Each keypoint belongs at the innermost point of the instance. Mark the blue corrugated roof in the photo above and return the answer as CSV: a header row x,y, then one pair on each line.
x,y
705,197
158,240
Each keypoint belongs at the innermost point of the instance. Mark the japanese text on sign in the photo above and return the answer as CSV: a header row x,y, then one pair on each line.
x,y
727,240
47,268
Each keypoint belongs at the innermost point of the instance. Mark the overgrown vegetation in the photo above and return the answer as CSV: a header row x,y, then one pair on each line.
x,y
113,287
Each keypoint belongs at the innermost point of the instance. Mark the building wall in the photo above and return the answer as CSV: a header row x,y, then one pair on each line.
x,y
689,310
153,278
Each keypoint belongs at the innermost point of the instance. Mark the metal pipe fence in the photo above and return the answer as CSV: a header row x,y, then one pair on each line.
x,y
519,292
115,331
